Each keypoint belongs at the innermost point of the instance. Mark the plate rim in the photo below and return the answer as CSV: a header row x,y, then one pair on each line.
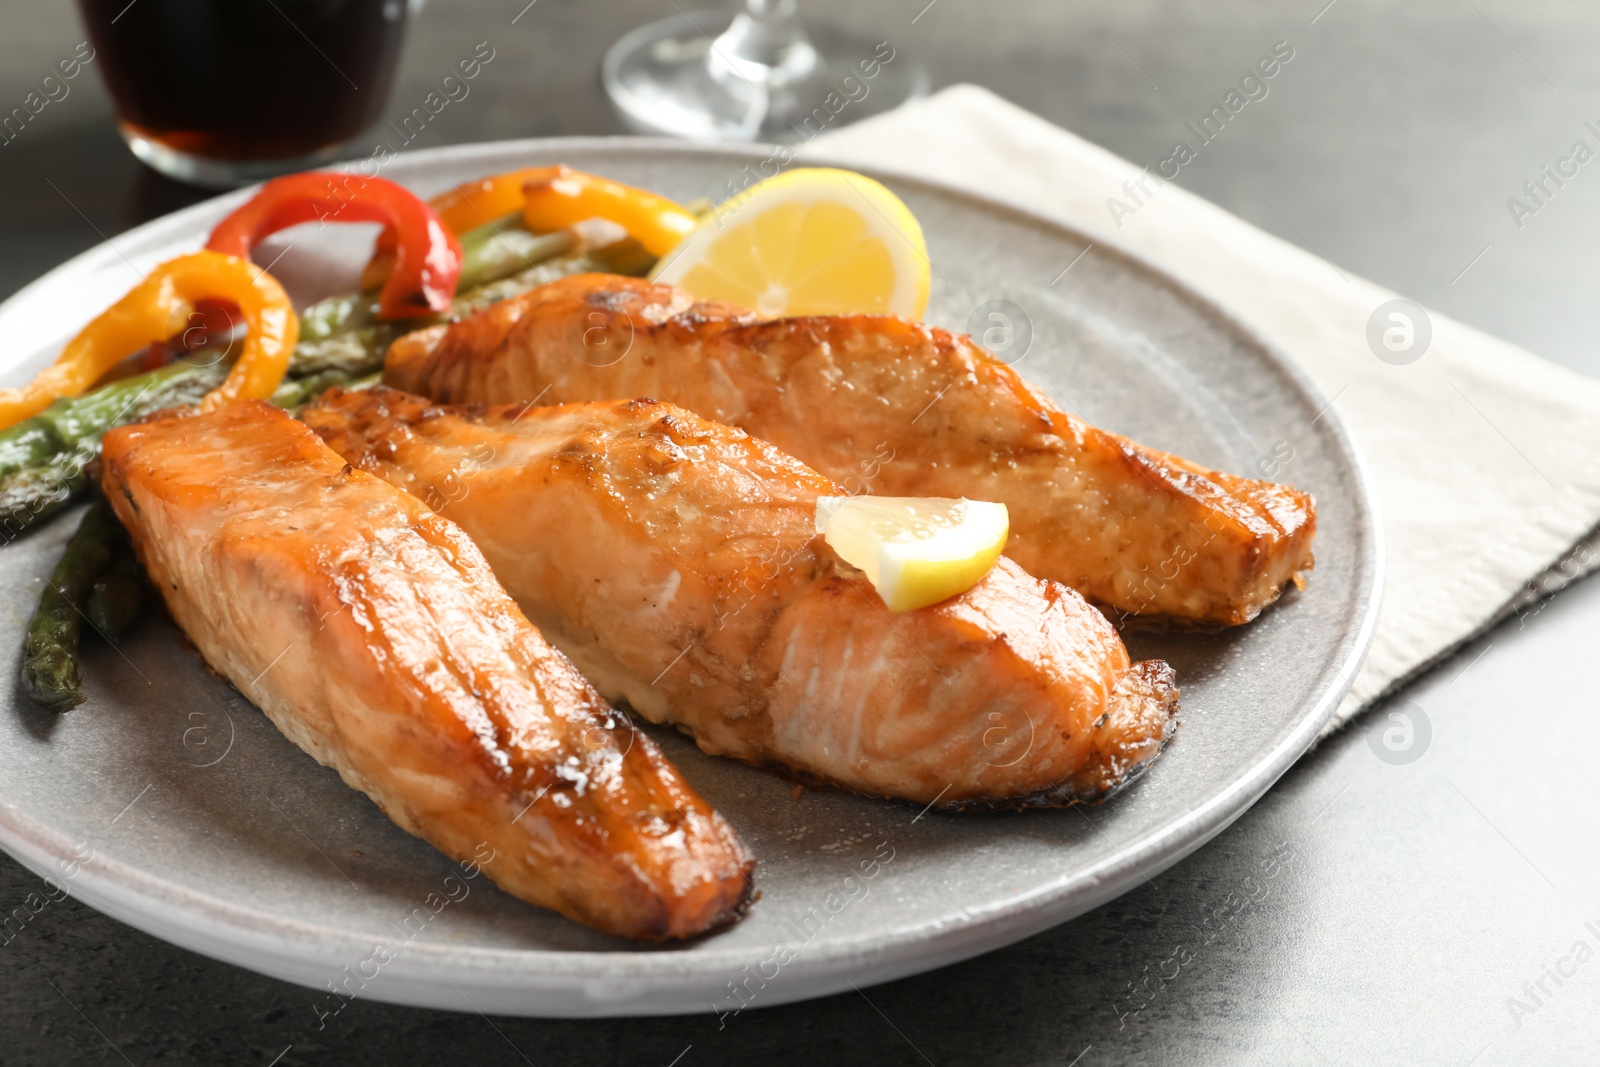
x,y
303,952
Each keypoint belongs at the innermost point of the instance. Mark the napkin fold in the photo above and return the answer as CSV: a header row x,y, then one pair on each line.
x,y
1486,458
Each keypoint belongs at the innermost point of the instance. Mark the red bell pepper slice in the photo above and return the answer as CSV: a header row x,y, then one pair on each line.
x,y
428,260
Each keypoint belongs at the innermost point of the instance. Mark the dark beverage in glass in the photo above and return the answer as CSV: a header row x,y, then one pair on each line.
x,y
226,92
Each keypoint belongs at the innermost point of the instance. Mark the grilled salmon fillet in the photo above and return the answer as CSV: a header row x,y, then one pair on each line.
x,y
374,635
676,561
895,408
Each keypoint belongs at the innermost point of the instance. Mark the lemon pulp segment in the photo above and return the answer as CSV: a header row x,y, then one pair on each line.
x,y
813,241
915,551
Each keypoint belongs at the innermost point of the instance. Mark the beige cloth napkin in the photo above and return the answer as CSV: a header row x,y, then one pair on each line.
x,y
1486,457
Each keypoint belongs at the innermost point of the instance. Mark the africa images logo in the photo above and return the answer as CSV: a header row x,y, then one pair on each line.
x,y
1400,734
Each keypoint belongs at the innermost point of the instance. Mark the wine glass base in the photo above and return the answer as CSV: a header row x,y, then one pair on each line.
x,y
216,173
665,78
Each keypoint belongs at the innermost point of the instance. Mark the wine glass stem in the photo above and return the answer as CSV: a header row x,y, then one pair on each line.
x,y
770,10
765,44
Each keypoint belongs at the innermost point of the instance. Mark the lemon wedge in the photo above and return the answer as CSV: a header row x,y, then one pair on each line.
x,y
814,241
915,550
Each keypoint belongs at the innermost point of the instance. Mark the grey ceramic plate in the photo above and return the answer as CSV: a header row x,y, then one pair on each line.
x,y
169,802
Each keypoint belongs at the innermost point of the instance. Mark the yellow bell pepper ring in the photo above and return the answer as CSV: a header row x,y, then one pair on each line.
x,y
568,197
472,204
155,309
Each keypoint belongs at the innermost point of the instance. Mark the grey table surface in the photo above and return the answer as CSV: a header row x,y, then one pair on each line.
x,y
1429,913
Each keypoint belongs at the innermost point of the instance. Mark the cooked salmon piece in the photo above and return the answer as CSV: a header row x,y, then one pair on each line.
x,y
374,635
676,561
894,408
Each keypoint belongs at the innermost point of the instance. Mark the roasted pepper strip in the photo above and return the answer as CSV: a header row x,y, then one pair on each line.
x,y
462,210
554,198
567,197
427,255
550,199
160,306
471,204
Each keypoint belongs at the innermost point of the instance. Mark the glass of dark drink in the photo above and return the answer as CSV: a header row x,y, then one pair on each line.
x,y
228,92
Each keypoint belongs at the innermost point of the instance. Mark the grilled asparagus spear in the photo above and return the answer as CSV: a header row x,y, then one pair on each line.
x,y
50,653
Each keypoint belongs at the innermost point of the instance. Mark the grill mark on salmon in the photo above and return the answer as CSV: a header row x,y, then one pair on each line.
x,y
1135,530
407,668
676,561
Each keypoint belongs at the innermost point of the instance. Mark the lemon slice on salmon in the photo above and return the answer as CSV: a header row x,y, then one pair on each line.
x,y
814,241
915,551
